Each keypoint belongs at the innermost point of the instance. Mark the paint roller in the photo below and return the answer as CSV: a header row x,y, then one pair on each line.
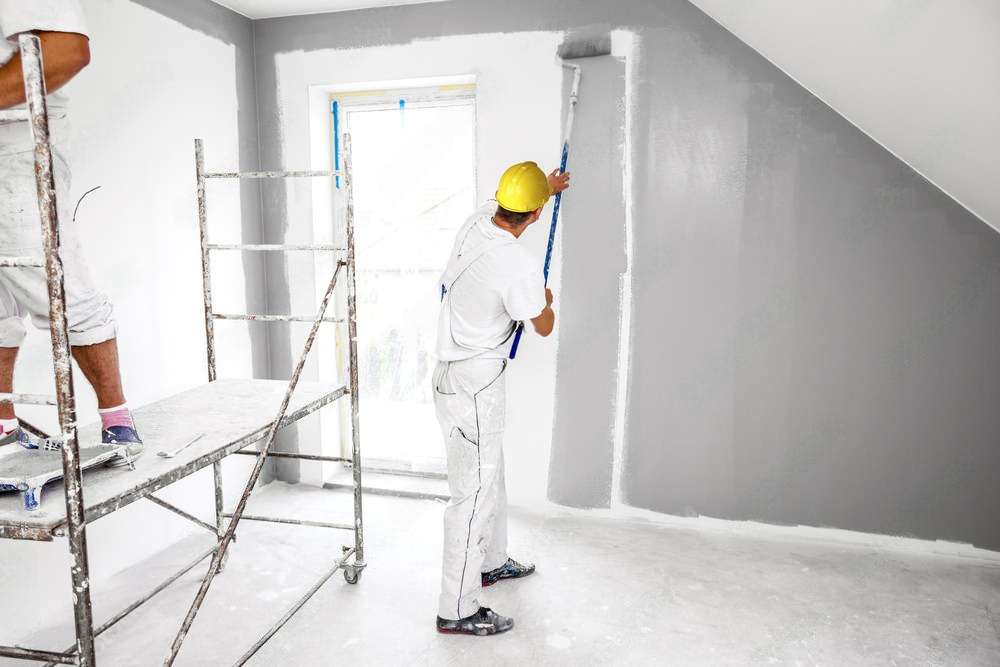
x,y
580,46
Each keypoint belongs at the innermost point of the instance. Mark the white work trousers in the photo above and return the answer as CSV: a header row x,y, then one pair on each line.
x,y
470,398
23,290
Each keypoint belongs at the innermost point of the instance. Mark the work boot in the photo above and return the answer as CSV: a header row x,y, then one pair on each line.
x,y
123,435
484,622
509,570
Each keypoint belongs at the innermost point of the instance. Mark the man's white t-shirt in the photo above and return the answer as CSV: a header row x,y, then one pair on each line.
x,y
500,288
19,16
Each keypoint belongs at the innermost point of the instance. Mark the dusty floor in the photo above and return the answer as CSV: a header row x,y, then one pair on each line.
x,y
607,592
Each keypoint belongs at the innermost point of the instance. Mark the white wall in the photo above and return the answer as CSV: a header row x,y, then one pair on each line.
x,y
152,87
518,132
921,77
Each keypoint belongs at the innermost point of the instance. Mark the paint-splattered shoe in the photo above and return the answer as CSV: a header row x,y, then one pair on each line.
x,y
481,624
509,570
123,435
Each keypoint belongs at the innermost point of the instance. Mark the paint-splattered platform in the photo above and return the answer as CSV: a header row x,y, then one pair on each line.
x,y
29,471
231,413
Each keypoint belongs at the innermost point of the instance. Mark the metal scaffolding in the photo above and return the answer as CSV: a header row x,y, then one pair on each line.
x,y
239,402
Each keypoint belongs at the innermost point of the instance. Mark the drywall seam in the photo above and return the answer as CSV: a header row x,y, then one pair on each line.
x,y
994,224
260,204
269,472
625,44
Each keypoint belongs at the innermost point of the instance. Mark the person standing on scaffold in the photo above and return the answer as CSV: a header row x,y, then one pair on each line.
x,y
491,285
62,30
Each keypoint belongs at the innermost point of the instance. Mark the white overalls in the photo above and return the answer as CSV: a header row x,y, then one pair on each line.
x,y
470,400
24,290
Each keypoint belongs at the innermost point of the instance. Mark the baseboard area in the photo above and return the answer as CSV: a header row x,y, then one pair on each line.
x,y
390,484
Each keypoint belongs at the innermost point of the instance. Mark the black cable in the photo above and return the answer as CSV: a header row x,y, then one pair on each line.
x,y
81,199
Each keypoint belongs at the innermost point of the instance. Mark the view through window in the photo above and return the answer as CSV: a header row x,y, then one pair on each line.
x,y
414,185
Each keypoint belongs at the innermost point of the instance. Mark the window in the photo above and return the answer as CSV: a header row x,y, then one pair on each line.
x,y
414,167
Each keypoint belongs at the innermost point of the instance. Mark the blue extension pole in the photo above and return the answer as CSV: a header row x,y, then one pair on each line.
x,y
574,95
555,215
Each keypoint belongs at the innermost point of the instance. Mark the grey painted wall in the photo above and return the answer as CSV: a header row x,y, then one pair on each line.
x,y
592,253
814,324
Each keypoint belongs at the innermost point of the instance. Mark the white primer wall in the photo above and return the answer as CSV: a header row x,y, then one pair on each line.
x,y
519,131
152,87
921,77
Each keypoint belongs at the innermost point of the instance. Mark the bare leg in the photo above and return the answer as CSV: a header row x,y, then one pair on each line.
x,y
7,357
99,364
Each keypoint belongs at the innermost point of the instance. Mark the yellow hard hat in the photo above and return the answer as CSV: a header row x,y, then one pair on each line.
x,y
523,188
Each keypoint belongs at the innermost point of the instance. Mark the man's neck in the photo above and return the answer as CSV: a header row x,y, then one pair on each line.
x,y
516,231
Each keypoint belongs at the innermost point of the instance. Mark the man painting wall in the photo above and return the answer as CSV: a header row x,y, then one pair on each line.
x,y
490,286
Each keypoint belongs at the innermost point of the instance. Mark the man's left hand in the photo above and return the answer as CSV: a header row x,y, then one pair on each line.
x,y
558,181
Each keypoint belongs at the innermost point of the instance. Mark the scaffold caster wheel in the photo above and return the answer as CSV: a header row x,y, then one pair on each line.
x,y
352,574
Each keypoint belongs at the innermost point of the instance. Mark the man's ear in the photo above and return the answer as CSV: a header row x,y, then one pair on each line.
x,y
537,215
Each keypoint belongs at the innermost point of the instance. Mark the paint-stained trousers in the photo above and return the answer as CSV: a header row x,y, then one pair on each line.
x,y
23,290
470,399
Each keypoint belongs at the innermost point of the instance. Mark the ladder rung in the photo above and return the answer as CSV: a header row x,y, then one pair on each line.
x,y
272,247
7,262
294,522
275,318
28,399
295,455
272,174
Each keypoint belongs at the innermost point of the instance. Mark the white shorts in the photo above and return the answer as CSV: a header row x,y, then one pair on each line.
x,y
23,290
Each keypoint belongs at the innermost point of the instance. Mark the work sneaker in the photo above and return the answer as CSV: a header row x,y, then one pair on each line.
x,y
484,622
509,570
123,435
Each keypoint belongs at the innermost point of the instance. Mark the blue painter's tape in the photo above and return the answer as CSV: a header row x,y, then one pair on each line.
x,y
336,142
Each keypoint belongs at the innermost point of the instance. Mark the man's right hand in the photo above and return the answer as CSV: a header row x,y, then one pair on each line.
x,y
546,320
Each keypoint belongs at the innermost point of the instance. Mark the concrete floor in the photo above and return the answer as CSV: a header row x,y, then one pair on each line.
x,y
607,592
